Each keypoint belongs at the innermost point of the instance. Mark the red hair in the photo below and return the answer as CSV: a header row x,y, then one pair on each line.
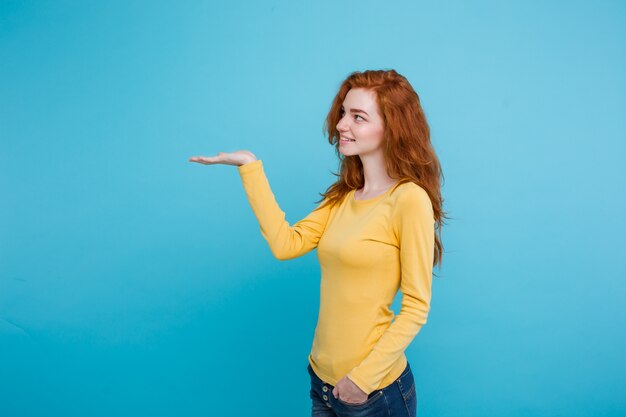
x,y
409,154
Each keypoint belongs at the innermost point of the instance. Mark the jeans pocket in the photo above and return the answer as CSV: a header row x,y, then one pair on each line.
x,y
406,382
408,393
374,397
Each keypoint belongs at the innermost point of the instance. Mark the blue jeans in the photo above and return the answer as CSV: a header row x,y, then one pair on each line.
x,y
397,399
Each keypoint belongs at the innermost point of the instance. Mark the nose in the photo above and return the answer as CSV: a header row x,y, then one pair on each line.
x,y
342,124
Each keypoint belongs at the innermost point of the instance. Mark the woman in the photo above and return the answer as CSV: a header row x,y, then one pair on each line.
x,y
376,230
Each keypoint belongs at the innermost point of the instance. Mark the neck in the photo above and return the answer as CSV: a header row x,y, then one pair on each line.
x,y
375,173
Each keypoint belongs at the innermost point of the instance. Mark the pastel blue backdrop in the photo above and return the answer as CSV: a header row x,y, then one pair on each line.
x,y
136,283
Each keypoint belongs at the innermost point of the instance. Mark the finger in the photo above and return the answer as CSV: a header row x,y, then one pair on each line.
x,y
203,159
335,393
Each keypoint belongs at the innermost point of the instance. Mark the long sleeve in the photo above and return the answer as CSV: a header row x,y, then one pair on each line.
x,y
413,224
285,241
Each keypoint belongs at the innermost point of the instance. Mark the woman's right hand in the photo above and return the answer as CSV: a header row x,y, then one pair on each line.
x,y
236,158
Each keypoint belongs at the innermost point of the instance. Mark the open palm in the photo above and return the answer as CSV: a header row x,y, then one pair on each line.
x,y
228,158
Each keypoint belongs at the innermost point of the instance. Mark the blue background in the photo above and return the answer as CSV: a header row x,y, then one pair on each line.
x,y
133,282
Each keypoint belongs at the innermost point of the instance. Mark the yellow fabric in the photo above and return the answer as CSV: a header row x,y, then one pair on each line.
x,y
367,249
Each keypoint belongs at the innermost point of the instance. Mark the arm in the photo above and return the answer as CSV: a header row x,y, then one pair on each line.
x,y
285,241
413,223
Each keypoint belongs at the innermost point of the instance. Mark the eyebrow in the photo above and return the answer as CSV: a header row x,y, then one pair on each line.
x,y
356,111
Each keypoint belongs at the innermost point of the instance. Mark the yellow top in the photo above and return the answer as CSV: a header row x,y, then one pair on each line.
x,y
367,249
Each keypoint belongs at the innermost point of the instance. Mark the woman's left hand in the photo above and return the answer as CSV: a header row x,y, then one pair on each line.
x,y
349,392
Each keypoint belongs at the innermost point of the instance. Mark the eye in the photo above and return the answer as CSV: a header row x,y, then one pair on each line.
x,y
341,113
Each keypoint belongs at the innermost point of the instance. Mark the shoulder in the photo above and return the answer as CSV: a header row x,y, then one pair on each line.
x,y
410,195
411,204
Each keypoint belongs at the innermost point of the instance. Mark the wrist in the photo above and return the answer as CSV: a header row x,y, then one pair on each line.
x,y
247,161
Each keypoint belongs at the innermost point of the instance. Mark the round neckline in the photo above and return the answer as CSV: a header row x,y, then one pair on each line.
x,y
370,200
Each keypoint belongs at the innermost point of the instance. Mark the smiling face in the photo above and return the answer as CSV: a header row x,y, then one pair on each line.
x,y
361,121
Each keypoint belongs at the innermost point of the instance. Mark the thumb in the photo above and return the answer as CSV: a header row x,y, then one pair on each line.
x,y
335,392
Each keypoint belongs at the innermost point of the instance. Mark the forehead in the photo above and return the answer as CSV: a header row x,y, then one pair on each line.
x,y
361,98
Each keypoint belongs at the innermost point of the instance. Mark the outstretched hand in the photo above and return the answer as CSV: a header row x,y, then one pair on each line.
x,y
236,158
349,392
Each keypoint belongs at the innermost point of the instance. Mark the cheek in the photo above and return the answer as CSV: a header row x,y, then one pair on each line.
x,y
372,133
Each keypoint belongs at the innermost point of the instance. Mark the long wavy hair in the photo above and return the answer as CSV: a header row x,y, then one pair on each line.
x,y
409,154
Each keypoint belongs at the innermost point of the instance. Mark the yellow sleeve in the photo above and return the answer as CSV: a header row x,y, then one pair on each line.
x,y
285,241
413,223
